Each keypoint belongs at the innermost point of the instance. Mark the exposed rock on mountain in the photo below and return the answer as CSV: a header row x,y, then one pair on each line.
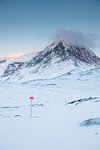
x,y
57,59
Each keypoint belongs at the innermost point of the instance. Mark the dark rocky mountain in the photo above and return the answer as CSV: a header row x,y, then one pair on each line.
x,y
64,52
54,55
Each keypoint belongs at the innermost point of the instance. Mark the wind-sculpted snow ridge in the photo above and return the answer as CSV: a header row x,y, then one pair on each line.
x,y
57,59
90,74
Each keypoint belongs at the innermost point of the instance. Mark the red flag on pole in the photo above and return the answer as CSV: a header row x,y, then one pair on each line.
x,y
31,98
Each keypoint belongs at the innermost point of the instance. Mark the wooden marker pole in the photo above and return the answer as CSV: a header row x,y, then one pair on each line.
x,y
31,109
31,98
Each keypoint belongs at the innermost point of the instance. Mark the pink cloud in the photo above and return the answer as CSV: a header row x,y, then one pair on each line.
x,y
13,55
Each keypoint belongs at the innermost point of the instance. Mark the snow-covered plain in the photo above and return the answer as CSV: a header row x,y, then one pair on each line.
x,y
57,125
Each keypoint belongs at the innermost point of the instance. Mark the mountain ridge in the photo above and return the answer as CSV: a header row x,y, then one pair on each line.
x,y
58,58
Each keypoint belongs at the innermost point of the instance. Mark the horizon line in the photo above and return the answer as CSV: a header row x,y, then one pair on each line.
x,y
14,55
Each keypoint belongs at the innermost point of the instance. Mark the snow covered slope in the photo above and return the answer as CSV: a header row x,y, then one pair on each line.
x,y
57,59
66,109
5,61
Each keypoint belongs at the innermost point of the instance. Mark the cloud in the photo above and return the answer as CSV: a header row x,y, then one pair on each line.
x,y
78,38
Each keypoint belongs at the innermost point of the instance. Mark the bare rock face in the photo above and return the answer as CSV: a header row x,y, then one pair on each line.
x,y
65,52
59,51
11,68
2,61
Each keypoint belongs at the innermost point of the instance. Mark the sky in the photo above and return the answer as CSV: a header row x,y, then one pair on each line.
x,y
30,25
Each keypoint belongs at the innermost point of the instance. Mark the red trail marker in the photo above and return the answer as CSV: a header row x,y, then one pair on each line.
x,y
42,105
31,98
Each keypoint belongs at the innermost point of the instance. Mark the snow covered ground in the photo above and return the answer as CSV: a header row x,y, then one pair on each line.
x,y
57,125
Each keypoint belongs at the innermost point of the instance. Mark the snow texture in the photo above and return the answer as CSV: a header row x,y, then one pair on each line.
x,y
65,84
56,125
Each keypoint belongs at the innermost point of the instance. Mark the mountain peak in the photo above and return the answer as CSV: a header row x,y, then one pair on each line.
x,y
62,49
58,58
57,42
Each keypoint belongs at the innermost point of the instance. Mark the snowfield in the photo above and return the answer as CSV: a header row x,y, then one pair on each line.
x,y
56,126
65,82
